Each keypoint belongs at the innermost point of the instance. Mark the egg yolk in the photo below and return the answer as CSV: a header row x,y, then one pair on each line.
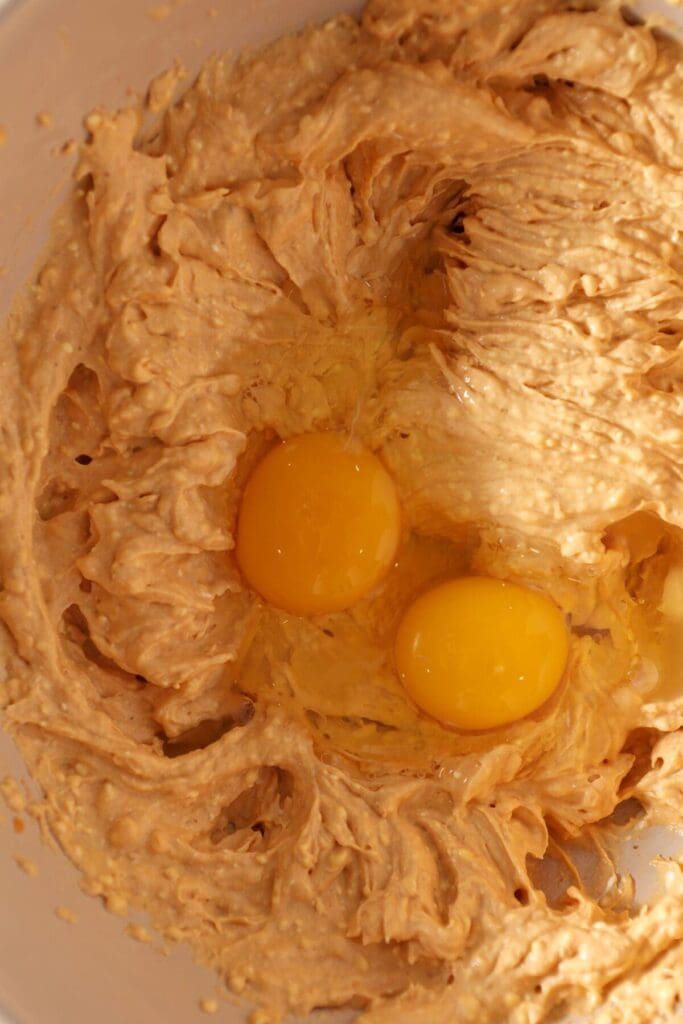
x,y
319,524
477,653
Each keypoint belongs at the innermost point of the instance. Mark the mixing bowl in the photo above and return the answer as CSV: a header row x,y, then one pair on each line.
x,y
57,59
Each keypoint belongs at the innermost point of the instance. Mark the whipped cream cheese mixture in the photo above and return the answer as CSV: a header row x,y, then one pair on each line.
x,y
452,232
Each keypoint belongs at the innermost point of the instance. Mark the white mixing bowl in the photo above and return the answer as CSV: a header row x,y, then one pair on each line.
x,y
61,57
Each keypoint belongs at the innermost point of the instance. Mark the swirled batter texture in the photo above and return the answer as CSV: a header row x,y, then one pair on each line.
x,y
451,230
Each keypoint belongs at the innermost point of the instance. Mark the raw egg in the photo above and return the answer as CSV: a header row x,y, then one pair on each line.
x,y
318,525
477,652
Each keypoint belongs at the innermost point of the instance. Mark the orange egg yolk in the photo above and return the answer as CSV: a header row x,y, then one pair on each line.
x,y
319,524
477,653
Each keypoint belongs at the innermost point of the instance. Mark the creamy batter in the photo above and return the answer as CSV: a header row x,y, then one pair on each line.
x,y
453,232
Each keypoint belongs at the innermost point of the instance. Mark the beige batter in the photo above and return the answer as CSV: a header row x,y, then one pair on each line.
x,y
453,231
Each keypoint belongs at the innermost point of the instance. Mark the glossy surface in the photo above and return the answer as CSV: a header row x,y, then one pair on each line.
x,y
319,524
477,653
